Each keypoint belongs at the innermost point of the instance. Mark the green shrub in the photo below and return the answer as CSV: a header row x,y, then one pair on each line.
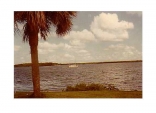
x,y
110,87
70,88
80,87
89,87
95,87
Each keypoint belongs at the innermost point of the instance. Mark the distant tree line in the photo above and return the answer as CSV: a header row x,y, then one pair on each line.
x,y
40,64
52,64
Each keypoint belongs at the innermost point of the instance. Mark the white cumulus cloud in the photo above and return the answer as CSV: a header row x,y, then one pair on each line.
x,y
122,52
62,58
68,56
107,27
67,46
84,55
78,39
46,47
83,51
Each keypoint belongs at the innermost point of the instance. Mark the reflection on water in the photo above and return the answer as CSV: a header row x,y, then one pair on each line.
x,y
124,76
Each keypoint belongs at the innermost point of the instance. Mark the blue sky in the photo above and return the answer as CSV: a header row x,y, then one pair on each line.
x,y
95,37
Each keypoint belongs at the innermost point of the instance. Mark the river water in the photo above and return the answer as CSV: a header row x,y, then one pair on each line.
x,y
124,76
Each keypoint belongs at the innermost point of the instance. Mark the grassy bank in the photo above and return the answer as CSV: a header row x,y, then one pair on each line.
x,y
84,94
83,90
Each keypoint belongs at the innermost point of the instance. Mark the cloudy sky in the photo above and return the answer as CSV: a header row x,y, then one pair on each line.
x,y
95,37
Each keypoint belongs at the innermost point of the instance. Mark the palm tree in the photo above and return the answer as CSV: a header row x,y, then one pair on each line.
x,y
40,22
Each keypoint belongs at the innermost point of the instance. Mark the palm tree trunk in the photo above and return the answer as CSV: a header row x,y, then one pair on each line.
x,y
33,42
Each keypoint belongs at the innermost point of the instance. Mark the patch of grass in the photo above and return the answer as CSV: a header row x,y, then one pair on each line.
x,y
84,94
26,95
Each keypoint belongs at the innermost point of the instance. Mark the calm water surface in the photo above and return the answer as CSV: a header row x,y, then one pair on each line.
x,y
124,76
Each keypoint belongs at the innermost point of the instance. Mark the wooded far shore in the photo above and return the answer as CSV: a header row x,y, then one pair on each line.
x,y
52,64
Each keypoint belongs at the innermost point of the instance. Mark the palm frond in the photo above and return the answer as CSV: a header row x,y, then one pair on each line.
x,y
41,22
61,20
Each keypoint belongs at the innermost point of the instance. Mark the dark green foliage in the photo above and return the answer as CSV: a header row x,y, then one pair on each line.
x,y
90,87
110,87
40,64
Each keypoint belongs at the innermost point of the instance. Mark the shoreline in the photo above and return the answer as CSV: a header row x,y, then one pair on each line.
x,y
54,64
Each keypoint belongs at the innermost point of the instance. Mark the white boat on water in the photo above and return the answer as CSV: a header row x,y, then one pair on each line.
x,y
73,65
